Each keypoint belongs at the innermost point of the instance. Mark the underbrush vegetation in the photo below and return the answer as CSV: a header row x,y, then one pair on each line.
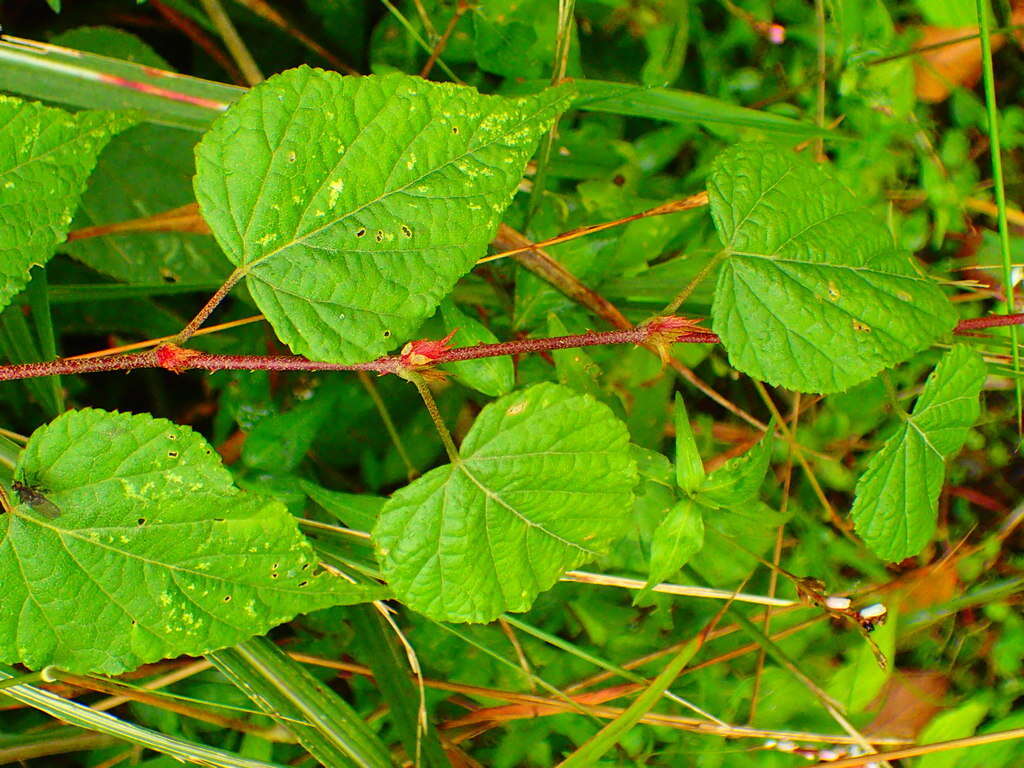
x,y
511,383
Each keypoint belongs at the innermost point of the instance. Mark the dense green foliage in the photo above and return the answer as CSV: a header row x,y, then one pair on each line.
x,y
424,525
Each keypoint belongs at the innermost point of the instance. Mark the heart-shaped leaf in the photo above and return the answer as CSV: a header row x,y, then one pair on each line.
x,y
354,203
897,496
132,545
813,294
46,156
544,483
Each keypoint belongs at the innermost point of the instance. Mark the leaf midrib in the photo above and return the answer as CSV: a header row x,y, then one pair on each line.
x,y
250,265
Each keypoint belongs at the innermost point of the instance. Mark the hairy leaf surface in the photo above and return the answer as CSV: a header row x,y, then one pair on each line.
x,y
46,155
544,483
897,496
355,203
151,553
813,294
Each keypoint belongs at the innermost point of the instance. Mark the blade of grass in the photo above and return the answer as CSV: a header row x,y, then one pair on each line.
x,y
65,76
597,661
39,304
676,106
75,714
387,660
18,346
75,293
995,150
52,741
612,733
336,734
563,43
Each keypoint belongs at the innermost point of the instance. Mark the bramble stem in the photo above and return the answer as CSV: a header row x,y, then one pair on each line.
x,y
177,359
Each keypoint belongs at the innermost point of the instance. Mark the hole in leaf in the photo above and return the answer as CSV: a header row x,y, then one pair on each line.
x,y
379,237
227,598
387,334
172,454
303,583
455,129
141,521
361,231
406,231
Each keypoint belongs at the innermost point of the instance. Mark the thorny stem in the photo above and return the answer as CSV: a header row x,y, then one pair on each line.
x,y
435,415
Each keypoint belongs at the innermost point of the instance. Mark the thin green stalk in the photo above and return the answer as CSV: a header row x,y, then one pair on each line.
x,y
435,416
563,44
612,733
995,151
419,40
688,289
233,41
385,415
597,661
515,667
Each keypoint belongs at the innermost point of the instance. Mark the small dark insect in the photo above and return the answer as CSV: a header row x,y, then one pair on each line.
x,y
33,496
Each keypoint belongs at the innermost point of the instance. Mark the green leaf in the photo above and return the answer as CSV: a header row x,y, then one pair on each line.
x,y
279,442
897,496
952,724
544,483
112,42
813,294
146,170
575,368
739,479
46,155
152,552
678,538
356,510
752,525
689,467
493,376
353,204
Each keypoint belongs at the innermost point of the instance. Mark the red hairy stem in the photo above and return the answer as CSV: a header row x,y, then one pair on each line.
x,y
991,321
416,355
89,365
